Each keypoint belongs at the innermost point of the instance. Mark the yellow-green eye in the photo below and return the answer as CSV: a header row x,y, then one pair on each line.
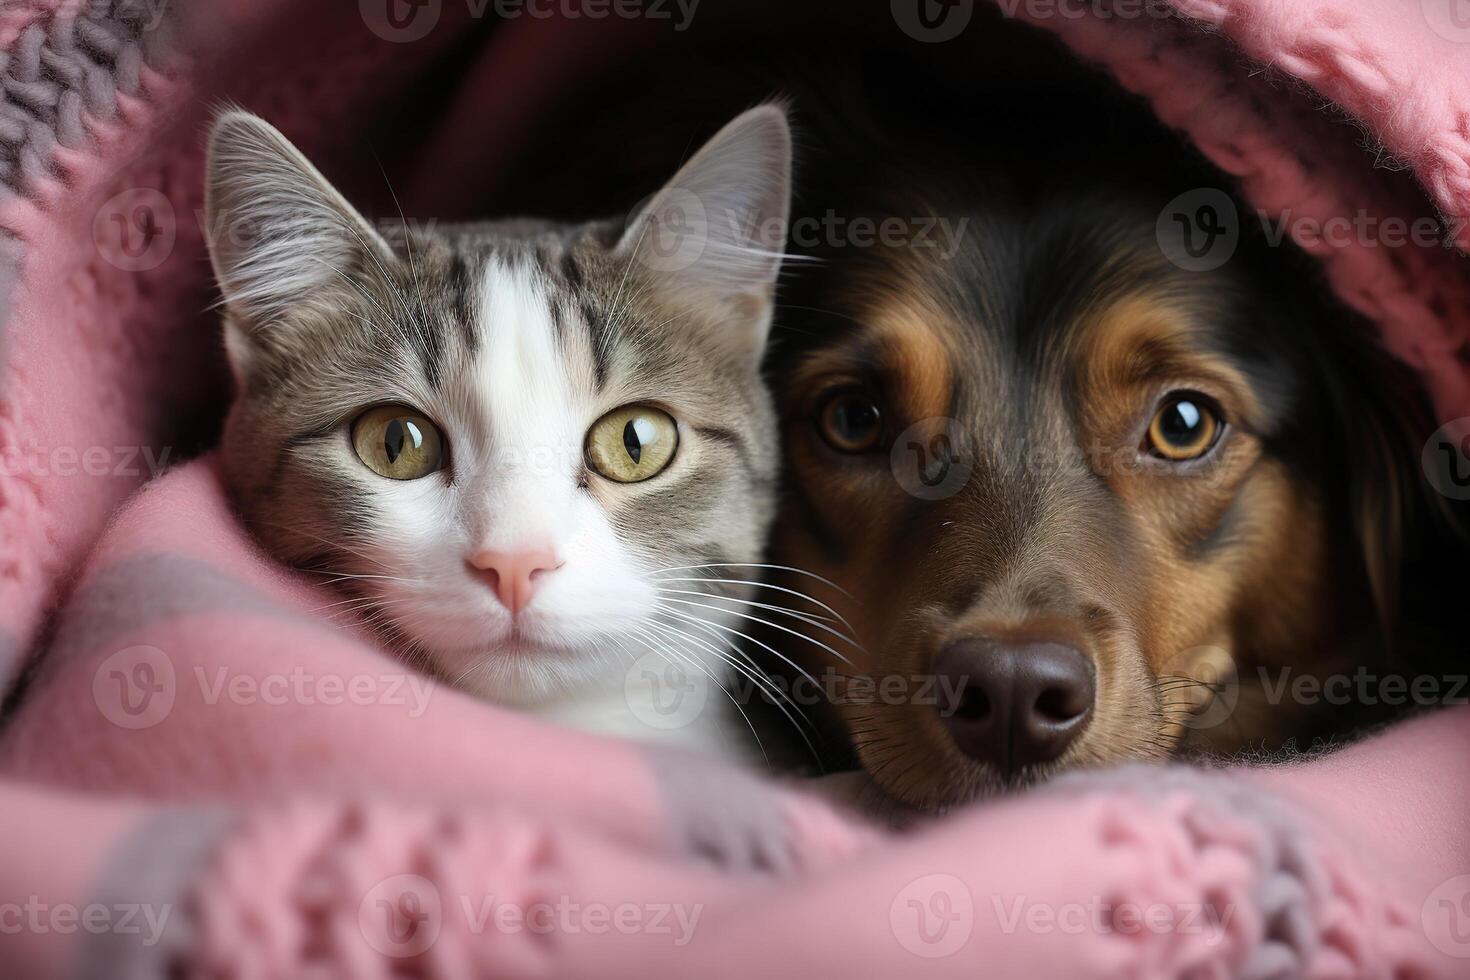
x,y
632,443
1185,427
397,442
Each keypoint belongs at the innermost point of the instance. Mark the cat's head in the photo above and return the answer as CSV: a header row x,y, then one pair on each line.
x,y
503,435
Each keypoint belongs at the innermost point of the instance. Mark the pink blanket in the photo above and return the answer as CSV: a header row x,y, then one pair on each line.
x,y
207,773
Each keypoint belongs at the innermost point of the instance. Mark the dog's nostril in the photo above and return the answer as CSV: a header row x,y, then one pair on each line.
x,y
974,703
1015,705
1062,704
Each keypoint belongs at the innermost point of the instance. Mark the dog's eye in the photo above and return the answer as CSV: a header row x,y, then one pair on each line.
x,y
850,422
397,442
1185,427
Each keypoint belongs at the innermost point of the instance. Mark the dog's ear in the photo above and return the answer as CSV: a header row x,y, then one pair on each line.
x,y
1384,415
1381,496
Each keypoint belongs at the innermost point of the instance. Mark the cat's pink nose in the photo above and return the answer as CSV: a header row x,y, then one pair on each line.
x,y
514,575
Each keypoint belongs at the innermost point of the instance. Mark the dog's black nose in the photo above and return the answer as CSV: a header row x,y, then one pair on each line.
x,y
1013,705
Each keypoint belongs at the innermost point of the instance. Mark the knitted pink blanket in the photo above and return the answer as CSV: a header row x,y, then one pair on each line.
x,y
208,776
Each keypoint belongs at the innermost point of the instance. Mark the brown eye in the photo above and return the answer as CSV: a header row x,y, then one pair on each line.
x,y
850,422
632,443
397,442
1185,427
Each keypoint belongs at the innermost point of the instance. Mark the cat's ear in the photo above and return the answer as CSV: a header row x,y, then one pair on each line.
x,y
279,235
712,238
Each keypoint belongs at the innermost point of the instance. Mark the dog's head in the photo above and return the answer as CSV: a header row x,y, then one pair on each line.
x,y
1071,489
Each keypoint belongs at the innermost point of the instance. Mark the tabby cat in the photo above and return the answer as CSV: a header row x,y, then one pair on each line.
x,y
540,456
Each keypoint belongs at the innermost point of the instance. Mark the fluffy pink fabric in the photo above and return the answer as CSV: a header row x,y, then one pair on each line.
x,y
338,814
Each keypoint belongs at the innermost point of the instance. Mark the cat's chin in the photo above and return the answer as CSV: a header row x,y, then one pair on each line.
x,y
531,674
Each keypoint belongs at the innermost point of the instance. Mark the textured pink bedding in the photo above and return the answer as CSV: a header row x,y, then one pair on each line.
x,y
205,751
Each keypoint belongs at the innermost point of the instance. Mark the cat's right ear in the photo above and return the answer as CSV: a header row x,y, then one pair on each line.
x,y
713,238
279,235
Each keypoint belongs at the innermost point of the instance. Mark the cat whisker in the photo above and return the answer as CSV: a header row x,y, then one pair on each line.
x,y
337,577
763,684
735,564
407,242
765,622
337,544
745,667
638,635
835,617
354,284
807,618
689,617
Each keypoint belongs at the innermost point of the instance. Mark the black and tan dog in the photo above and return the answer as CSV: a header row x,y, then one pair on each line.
x,y
1116,507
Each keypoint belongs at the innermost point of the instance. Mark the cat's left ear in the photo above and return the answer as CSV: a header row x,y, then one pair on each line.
x,y
280,236
711,240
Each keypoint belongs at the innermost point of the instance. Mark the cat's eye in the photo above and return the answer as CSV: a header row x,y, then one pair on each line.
x,y
850,422
397,442
632,443
1185,426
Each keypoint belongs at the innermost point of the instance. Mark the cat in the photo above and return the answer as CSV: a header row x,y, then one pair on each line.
x,y
540,456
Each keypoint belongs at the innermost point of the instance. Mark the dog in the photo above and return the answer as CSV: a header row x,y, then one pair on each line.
x,y
1081,501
